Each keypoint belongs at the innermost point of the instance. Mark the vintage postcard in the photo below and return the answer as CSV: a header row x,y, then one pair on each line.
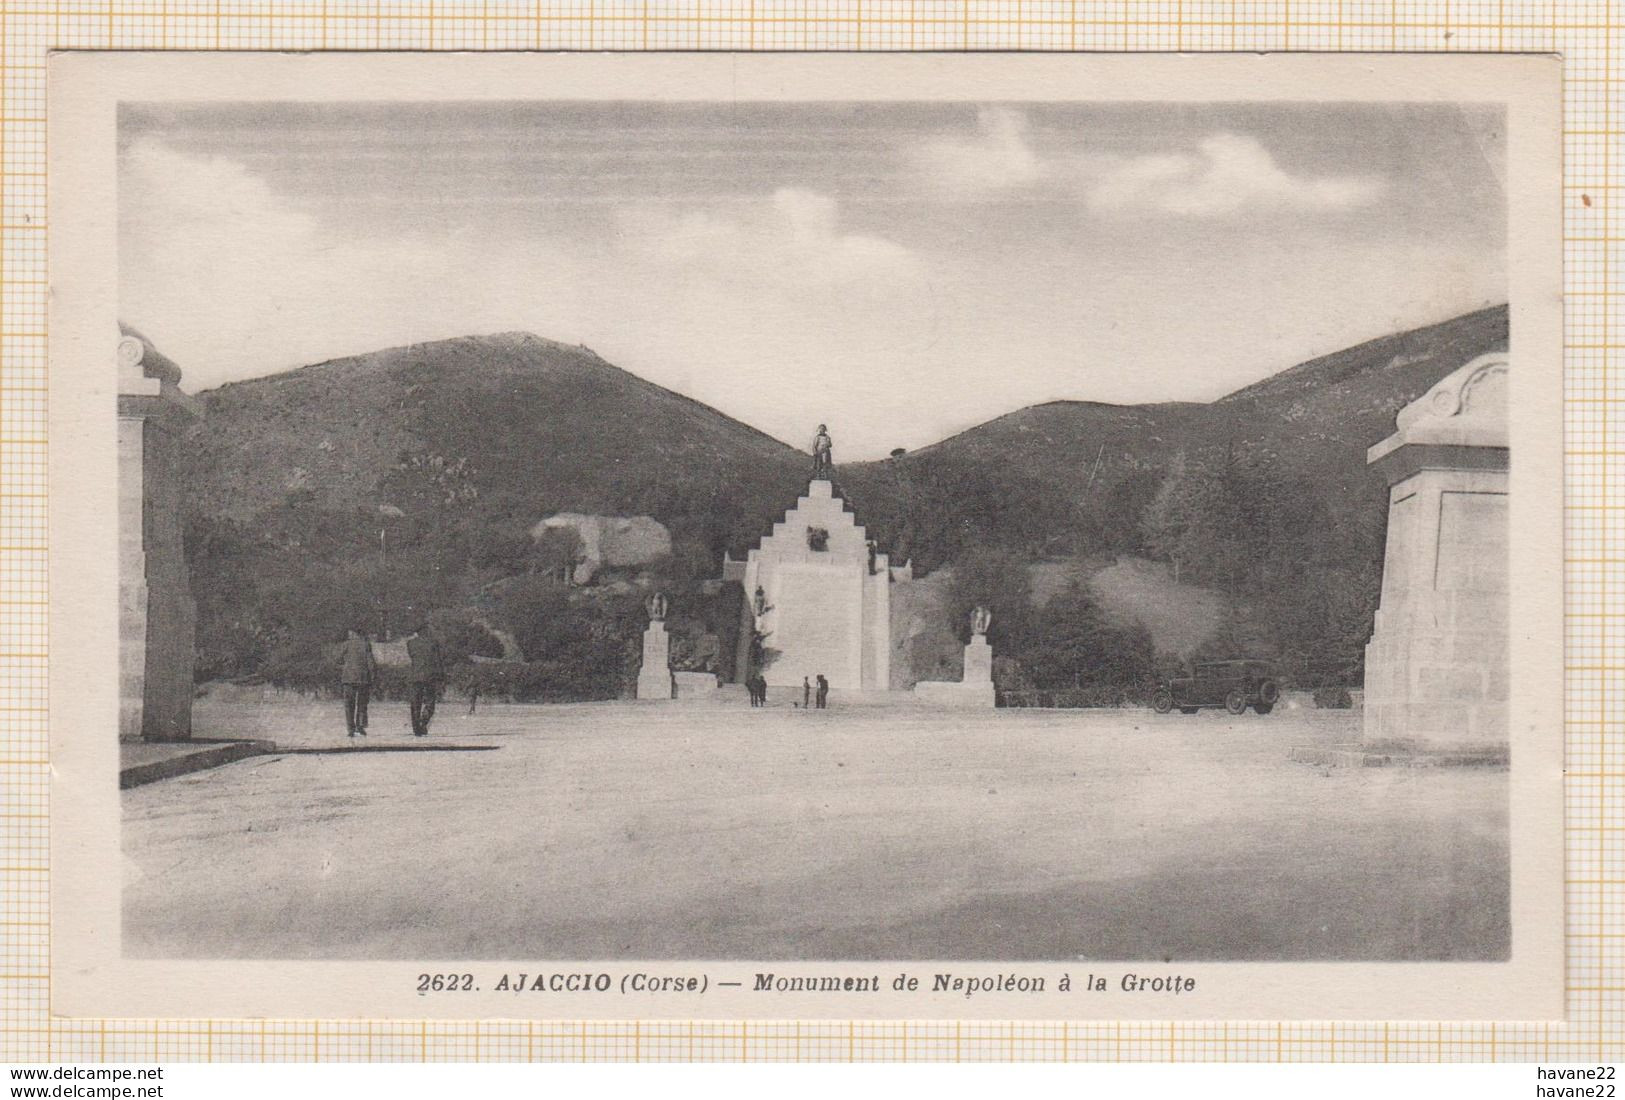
x,y
794,536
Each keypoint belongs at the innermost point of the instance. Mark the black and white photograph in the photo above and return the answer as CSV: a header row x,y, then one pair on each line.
x,y
801,532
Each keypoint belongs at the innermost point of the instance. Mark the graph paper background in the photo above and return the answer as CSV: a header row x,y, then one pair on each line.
x,y
1589,33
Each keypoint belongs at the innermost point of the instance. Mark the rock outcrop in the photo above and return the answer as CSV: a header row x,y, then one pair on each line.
x,y
613,541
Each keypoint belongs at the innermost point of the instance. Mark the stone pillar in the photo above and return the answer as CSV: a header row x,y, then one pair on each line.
x,y
976,685
654,675
157,616
978,661
1436,668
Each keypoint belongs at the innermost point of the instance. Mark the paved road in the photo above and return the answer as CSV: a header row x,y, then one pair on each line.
x,y
618,831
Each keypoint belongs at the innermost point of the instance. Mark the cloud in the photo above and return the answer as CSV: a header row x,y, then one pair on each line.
x,y
175,209
793,236
234,278
998,157
1228,173
783,309
1225,174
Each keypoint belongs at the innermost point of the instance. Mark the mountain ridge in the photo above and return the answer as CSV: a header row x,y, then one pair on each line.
x,y
1352,392
371,487
539,426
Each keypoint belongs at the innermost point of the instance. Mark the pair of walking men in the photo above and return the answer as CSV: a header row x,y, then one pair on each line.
x,y
360,670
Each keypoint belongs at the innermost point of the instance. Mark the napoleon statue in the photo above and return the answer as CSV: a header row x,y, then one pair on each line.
x,y
823,456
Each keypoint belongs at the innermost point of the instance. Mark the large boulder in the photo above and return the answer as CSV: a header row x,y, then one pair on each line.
x,y
613,541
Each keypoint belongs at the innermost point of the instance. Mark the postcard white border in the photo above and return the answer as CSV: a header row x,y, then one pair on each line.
x,y
89,975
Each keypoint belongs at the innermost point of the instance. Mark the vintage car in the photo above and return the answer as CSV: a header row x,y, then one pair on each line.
x,y
1233,685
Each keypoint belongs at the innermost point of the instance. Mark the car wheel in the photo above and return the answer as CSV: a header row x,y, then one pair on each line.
x,y
1262,707
1236,701
1269,692
1162,702
1189,710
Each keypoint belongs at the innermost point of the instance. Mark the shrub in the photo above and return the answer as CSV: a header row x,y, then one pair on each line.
x,y
1073,645
1008,675
1099,695
997,580
481,678
534,682
461,637
1333,697
700,653
305,665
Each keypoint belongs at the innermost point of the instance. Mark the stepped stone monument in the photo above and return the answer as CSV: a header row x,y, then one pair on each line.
x,y
975,686
824,603
157,616
654,675
1437,663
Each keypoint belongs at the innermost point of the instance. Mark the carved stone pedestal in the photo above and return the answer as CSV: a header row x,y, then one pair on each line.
x,y
157,616
978,662
654,676
1437,664
975,687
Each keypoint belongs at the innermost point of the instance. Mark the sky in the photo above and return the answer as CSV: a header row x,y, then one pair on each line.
x,y
900,271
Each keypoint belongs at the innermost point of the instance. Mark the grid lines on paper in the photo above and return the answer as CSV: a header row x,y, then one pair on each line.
x,y
1589,33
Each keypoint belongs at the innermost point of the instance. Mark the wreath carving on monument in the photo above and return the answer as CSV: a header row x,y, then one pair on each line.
x,y
817,538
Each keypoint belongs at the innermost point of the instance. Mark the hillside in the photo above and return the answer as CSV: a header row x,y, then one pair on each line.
x,y
568,431
1180,617
1090,469
378,487
1344,400
1326,412
550,422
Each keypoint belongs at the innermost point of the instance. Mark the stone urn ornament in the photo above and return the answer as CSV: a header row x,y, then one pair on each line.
x,y
656,606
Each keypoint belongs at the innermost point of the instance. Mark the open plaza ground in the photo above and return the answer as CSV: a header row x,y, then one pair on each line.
x,y
626,831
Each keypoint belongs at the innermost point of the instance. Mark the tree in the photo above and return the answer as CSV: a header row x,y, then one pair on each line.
x,y
1324,620
1168,515
500,544
1073,644
558,552
934,509
1113,522
998,581
580,647
1212,519
461,636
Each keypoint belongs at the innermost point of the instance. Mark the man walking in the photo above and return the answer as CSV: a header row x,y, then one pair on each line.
x,y
427,674
356,674
823,690
806,693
